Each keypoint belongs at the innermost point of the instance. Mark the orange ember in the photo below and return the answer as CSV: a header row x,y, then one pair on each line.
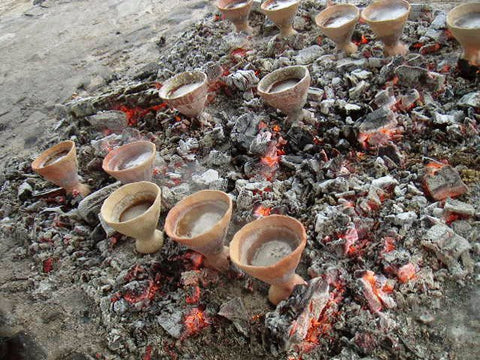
x,y
433,167
136,113
195,296
276,128
262,211
389,245
406,273
270,161
238,53
195,321
362,41
148,293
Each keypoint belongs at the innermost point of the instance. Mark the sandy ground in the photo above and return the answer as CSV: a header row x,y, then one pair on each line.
x,y
61,47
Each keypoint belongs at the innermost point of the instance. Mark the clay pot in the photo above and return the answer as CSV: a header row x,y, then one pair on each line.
x,y
286,89
131,162
387,19
464,23
186,92
270,249
59,165
282,13
237,12
337,22
200,222
133,210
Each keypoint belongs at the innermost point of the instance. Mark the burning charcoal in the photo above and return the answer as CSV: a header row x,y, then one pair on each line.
x,y
289,323
185,148
170,196
408,100
405,218
385,98
170,319
413,76
391,152
326,106
112,120
242,79
471,99
89,207
448,247
115,340
445,182
448,119
24,192
358,91
315,94
245,130
218,158
299,137
459,207
386,182
120,307
375,289
308,55
261,144
208,179
213,70
234,310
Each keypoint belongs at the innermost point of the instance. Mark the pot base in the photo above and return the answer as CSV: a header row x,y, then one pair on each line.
x,y
218,261
149,246
277,293
397,49
349,48
80,188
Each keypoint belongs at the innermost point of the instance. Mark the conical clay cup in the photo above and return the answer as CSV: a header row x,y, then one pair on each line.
x,y
133,210
200,222
286,89
270,249
186,92
464,23
131,162
237,12
282,13
337,22
387,19
59,165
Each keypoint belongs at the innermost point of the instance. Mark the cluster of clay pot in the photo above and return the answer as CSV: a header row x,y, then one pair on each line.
x,y
268,248
385,17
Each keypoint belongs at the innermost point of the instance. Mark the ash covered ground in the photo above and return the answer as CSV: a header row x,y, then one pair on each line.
x,y
392,259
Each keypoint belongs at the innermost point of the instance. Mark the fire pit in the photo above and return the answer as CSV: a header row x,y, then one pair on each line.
x,y
383,174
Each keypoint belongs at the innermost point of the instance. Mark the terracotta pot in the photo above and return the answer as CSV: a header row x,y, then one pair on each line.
x,y
286,89
387,19
186,92
464,23
282,14
237,12
133,210
59,165
131,162
252,247
200,222
337,22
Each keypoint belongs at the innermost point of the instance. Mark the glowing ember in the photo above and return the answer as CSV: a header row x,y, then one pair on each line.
x,y
194,297
351,237
389,245
262,211
375,290
237,54
148,293
380,137
48,265
136,113
362,41
406,273
148,353
195,321
433,167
